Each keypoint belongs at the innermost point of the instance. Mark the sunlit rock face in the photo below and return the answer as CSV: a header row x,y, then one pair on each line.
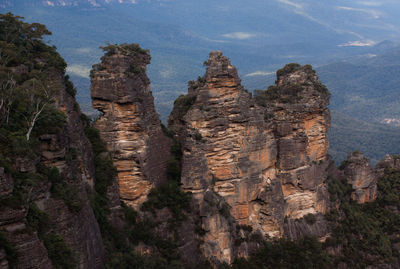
x,y
362,177
264,157
129,124
229,153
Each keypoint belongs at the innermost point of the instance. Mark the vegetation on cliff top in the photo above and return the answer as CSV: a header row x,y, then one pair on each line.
x,y
125,49
292,92
31,77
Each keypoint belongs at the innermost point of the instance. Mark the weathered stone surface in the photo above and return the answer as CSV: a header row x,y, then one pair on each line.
x,y
296,228
3,259
26,165
265,160
30,251
78,229
129,123
228,150
362,177
298,107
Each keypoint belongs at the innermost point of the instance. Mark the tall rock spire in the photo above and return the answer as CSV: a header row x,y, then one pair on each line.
x,y
263,159
129,124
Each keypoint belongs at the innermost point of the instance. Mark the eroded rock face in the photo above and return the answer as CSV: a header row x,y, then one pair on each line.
x,y
129,124
265,158
69,150
362,177
228,152
297,105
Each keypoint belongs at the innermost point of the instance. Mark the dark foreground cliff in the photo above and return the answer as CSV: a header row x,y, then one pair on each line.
x,y
237,180
46,161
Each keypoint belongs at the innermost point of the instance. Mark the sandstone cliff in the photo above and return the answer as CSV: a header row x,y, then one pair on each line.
x,y
128,122
239,170
265,157
298,107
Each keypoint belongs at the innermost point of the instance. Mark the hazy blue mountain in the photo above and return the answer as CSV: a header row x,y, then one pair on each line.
x,y
372,139
366,88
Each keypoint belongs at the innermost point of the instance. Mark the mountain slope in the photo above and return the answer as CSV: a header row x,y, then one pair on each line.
x,y
373,139
366,88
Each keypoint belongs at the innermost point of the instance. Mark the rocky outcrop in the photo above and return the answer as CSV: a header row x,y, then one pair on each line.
x,y
297,106
128,123
362,177
229,153
29,250
262,159
68,150
390,161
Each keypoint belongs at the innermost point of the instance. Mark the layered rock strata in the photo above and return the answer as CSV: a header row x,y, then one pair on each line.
x,y
264,159
128,123
297,106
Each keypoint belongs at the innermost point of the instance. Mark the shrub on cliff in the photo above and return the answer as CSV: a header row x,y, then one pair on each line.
x,y
287,69
365,232
305,252
183,103
169,195
112,49
32,76
60,253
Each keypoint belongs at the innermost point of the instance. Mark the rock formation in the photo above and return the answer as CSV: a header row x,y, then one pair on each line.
x,y
69,150
362,178
298,107
265,157
128,123
256,166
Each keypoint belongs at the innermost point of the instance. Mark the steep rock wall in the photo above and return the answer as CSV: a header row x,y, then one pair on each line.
x,y
78,228
129,124
297,105
262,159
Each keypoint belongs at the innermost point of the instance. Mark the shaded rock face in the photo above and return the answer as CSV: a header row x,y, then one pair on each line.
x,y
297,105
266,162
120,90
362,177
29,249
79,229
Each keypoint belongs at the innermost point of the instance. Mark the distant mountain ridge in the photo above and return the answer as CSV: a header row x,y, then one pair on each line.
x,y
366,88
64,3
